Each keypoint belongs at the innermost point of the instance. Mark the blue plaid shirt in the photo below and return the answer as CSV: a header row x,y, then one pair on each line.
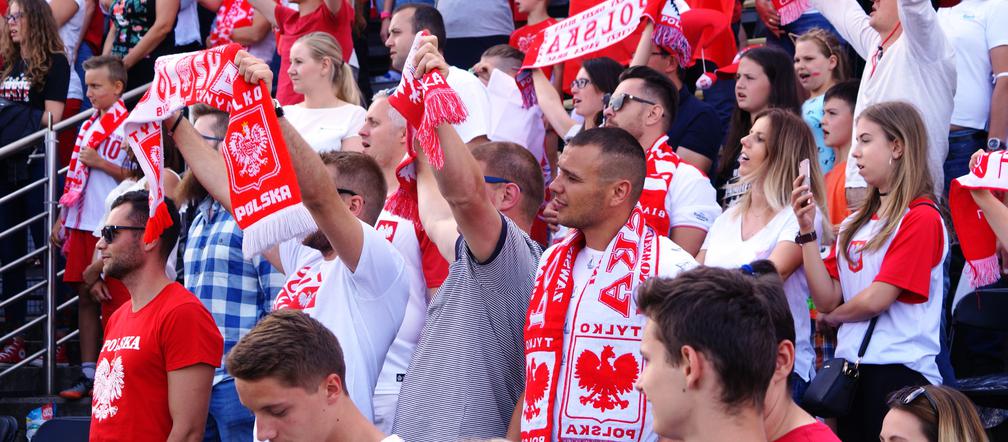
x,y
238,292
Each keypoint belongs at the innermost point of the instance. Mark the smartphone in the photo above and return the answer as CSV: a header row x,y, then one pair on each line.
x,y
803,170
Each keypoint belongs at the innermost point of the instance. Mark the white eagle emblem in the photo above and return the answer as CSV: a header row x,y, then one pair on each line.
x,y
108,387
247,148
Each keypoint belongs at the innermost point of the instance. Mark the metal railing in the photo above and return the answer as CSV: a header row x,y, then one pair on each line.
x,y
43,251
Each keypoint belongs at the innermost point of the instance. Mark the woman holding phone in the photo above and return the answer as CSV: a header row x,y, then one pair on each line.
x,y
761,225
887,264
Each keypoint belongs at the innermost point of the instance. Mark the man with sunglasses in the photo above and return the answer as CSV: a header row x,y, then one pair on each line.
x,y
346,274
678,200
157,361
236,290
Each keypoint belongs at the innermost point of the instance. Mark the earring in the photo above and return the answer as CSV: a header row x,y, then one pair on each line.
x,y
890,161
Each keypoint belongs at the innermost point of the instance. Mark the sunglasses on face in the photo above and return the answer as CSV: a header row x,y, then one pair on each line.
x,y
109,233
346,191
616,102
580,83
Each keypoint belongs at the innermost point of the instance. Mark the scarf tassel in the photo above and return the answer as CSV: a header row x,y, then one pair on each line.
x,y
791,11
672,39
441,106
70,198
290,222
986,271
403,204
157,223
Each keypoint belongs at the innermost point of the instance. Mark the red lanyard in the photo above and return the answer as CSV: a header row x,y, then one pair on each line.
x,y
878,53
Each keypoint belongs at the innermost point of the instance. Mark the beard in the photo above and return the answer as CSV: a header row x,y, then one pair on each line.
x,y
318,241
122,266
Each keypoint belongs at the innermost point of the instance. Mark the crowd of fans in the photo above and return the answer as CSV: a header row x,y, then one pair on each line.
x,y
675,252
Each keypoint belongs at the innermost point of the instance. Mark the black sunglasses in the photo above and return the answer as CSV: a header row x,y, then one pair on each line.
x,y
616,102
109,233
580,83
916,393
346,191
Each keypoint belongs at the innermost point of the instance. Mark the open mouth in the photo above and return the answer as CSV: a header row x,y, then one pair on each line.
x,y
804,75
365,144
740,96
576,101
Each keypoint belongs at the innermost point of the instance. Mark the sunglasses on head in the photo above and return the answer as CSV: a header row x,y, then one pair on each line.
x,y
109,233
917,393
616,102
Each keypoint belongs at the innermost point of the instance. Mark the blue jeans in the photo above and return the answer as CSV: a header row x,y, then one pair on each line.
x,y
798,27
228,421
83,53
962,144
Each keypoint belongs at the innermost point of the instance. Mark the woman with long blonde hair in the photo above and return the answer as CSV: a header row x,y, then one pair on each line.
x,y
761,226
886,264
932,413
330,115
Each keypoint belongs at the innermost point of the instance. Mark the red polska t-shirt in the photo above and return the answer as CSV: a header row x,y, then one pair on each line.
x,y
130,399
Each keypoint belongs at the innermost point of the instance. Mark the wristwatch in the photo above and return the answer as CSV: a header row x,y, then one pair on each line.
x,y
278,108
803,238
995,144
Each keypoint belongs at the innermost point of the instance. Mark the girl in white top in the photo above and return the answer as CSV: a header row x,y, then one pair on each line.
x,y
761,225
330,115
887,263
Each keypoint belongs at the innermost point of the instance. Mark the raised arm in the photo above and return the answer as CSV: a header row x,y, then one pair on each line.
x,y
254,33
851,22
435,213
826,292
644,47
551,104
205,162
267,8
920,27
461,179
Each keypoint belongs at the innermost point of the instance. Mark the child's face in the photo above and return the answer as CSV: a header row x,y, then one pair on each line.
x,y
102,91
837,123
527,6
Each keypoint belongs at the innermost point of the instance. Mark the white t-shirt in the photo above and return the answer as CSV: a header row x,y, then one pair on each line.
x,y
509,120
474,96
691,200
725,248
401,234
671,260
187,24
89,213
325,128
466,18
911,259
974,27
70,33
363,308
918,68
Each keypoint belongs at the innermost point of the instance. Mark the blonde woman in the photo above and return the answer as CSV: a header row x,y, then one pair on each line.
x,y
761,225
887,263
330,115
931,413
820,63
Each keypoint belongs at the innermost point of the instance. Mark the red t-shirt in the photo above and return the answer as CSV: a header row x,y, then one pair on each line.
x,y
815,432
291,26
173,331
435,268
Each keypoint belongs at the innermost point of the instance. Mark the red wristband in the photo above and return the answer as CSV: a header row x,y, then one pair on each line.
x,y
385,14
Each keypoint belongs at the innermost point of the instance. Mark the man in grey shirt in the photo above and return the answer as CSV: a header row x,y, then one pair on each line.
x,y
467,371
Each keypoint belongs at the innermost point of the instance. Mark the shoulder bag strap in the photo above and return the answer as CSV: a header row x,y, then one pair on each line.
x,y
867,338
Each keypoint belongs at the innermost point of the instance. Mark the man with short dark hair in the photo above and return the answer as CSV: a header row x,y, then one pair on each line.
x,y
678,200
157,362
709,351
411,18
237,291
290,372
583,327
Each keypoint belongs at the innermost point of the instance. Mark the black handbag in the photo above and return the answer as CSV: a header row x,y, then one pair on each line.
x,y
832,389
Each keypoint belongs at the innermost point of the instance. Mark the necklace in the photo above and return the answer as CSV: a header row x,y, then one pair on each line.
x,y
881,48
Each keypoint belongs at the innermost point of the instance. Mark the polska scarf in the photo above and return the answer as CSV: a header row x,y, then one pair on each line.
x,y
978,242
601,26
77,174
790,10
265,198
662,163
425,103
231,14
602,337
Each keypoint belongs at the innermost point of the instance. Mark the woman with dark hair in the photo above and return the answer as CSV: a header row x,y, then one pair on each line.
x,y
764,78
140,31
34,75
596,78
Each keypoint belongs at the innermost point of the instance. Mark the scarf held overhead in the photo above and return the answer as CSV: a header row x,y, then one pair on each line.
x,y
77,174
265,197
630,258
978,242
425,103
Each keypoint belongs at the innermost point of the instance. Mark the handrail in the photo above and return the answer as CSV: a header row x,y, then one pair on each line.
x,y
30,140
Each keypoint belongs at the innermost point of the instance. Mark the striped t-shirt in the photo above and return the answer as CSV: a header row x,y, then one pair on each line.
x,y
468,369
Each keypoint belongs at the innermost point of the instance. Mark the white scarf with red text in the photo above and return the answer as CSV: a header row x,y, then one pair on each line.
x,y
77,174
603,351
265,197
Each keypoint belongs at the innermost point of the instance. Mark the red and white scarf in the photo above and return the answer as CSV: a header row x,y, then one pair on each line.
x,y
425,103
662,164
790,10
601,26
77,174
978,242
265,197
231,14
603,357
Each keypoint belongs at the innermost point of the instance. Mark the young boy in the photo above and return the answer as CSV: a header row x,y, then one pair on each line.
x,y
96,167
837,121
538,19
